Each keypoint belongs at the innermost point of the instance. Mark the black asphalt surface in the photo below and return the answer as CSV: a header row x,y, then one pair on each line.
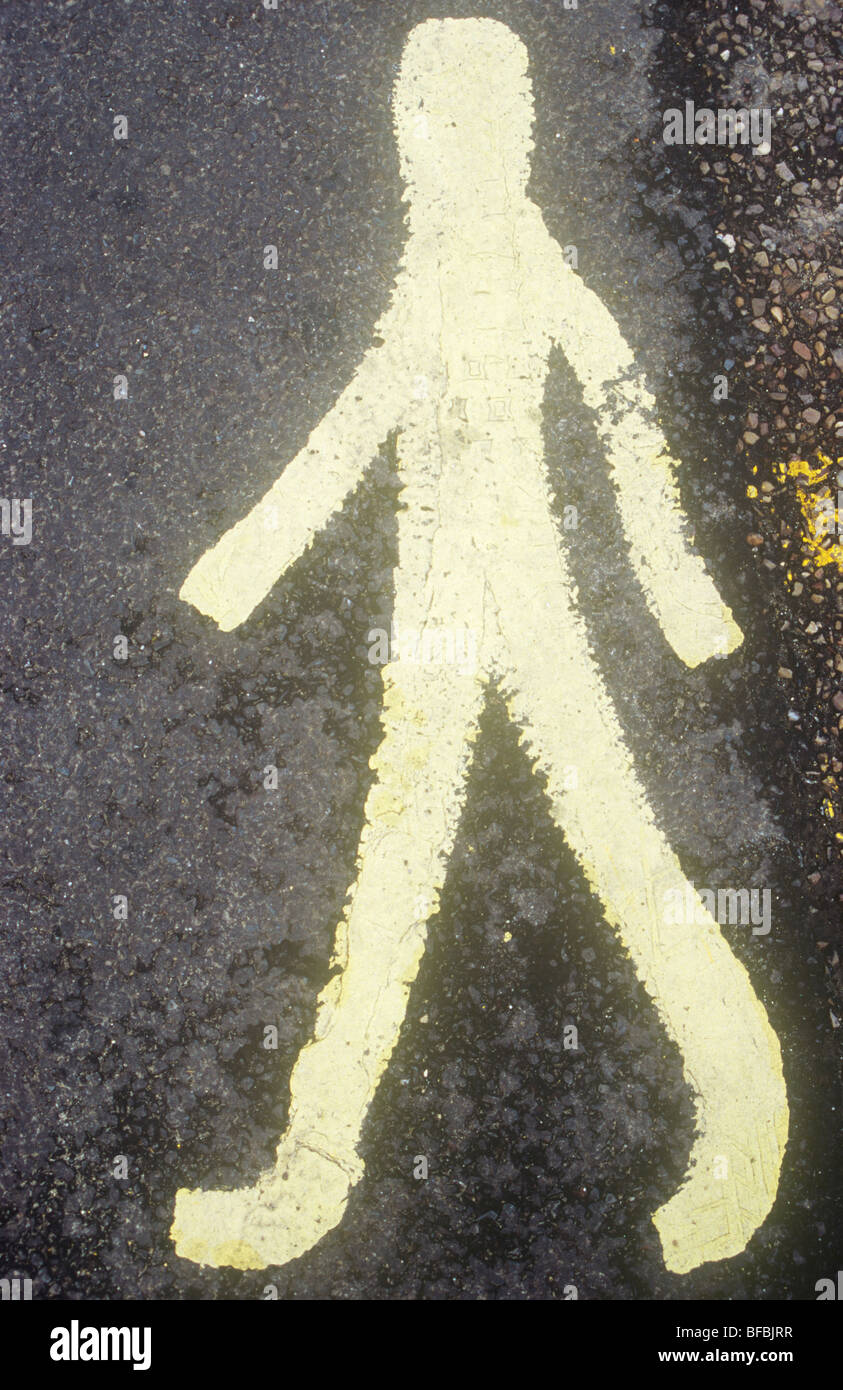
x,y
144,777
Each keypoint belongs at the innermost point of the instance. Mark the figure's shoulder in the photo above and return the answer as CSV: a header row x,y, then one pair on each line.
x,y
533,224
548,282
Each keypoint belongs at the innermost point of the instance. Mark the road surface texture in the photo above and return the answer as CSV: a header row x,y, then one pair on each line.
x,y
143,776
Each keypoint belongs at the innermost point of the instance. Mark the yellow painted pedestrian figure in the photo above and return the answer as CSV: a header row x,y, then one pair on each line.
x,y
458,366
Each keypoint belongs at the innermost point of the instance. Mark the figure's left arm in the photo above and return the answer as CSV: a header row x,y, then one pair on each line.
x,y
679,592
231,578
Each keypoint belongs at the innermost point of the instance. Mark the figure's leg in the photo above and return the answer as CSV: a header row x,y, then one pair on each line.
x,y
731,1056
430,719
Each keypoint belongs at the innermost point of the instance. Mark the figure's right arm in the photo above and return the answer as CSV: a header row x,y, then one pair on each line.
x,y
232,578
679,592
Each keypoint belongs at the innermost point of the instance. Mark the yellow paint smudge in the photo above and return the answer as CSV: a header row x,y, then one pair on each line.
x,y
818,496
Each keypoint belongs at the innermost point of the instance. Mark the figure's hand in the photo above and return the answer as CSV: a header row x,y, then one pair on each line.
x,y
231,578
698,634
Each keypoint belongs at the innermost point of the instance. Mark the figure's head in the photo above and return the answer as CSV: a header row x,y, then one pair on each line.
x,y
463,108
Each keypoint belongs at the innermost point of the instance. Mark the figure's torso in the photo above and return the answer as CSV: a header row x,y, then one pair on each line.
x,y
475,499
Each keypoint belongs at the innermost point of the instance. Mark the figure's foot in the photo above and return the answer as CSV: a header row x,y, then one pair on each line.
x,y
693,1227
284,1215
728,1194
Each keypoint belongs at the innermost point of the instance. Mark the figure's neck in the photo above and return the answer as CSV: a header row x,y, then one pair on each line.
x,y
481,222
